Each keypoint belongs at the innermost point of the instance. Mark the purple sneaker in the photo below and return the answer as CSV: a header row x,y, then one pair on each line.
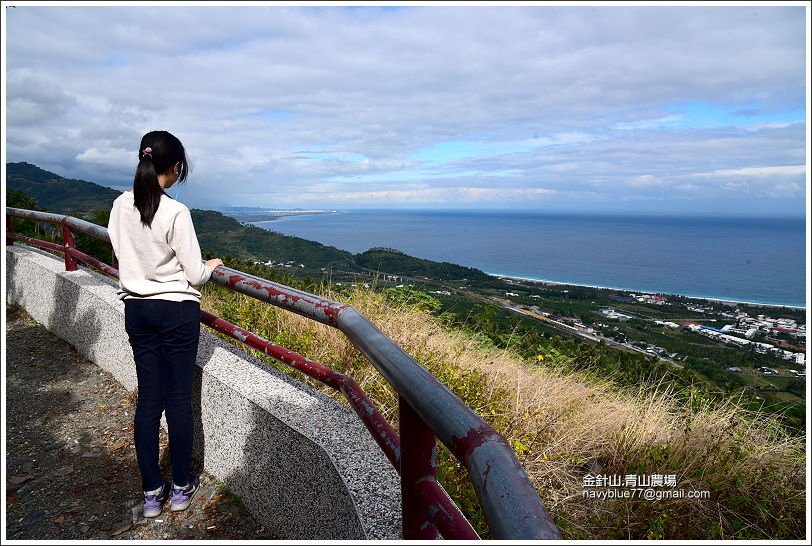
x,y
182,496
153,504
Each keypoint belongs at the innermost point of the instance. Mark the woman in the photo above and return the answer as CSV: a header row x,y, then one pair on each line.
x,y
159,264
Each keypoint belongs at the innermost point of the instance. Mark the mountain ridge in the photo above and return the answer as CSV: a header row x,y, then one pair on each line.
x,y
221,234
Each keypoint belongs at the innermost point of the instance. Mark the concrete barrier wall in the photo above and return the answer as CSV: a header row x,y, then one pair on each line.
x,y
304,465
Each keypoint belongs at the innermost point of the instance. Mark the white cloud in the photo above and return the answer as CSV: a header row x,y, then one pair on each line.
x,y
542,89
770,182
108,157
647,123
739,186
644,181
756,172
35,100
415,194
782,189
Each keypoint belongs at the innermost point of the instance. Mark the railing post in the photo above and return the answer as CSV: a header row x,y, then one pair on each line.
x,y
69,242
418,460
9,230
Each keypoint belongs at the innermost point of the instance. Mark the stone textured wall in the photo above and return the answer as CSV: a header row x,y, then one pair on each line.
x,y
304,465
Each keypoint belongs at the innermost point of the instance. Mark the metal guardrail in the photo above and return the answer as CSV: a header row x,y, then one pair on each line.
x,y
427,409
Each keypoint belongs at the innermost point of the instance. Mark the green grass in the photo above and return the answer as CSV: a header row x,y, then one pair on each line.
x,y
558,415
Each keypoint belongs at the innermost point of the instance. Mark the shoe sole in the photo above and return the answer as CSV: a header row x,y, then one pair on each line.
x,y
181,507
152,514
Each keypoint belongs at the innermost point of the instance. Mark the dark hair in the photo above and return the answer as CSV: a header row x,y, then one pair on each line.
x,y
159,151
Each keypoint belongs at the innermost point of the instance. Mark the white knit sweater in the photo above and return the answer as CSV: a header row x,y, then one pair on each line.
x,y
161,262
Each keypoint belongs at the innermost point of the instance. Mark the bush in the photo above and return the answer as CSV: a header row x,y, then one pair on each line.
x,y
565,421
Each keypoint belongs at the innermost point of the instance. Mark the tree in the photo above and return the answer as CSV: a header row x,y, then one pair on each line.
x,y
20,200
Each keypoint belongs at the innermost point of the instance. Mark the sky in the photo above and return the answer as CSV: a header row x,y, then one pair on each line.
x,y
655,109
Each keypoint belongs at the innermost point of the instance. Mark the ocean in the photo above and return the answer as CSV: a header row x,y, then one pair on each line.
x,y
758,260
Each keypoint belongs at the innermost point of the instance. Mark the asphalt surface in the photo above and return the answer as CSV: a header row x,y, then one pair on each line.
x,y
71,471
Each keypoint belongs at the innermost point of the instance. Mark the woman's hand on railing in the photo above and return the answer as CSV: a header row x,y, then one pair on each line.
x,y
214,263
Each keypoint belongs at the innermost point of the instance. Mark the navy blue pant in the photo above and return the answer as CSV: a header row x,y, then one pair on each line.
x,y
164,337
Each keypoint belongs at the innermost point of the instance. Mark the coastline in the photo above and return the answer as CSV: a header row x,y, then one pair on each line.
x,y
705,298
267,222
272,215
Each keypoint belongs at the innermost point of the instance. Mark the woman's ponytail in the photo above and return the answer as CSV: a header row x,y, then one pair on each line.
x,y
159,151
146,189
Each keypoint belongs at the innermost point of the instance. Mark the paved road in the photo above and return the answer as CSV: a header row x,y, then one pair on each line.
x,y
70,463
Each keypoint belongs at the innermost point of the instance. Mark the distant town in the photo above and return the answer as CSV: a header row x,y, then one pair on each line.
x,y
781,338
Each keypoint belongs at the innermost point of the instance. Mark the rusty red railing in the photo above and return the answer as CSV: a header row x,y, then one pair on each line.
x,y
427,409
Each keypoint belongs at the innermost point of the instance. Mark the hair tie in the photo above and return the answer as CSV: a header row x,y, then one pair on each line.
x,y
147,152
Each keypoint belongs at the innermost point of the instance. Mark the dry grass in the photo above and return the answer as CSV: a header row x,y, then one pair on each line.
x,y
564,425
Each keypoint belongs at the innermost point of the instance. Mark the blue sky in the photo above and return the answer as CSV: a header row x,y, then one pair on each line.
x,y
654,109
